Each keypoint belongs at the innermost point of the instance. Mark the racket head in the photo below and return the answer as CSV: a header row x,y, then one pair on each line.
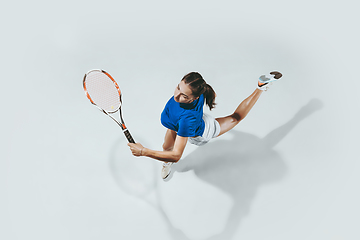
x,y
102,90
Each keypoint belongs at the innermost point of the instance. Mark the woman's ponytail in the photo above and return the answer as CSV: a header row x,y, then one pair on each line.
x,y
209,95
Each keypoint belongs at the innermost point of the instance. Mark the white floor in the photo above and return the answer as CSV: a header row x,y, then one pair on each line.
x,y
288,171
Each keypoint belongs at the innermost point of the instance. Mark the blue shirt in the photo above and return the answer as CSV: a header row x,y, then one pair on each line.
x,y
184,118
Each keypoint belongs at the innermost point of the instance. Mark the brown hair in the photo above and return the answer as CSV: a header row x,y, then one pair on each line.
x,y
198,86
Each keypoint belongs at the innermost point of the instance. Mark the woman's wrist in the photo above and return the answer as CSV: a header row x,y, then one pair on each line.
x,y
142,152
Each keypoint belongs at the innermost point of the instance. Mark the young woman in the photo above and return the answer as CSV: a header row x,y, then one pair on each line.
x,y
185,121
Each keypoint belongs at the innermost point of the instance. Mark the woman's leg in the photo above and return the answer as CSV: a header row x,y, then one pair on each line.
x,y
169,140
168,145
229,122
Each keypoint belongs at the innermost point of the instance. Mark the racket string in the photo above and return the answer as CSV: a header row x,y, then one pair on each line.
x,y
103,91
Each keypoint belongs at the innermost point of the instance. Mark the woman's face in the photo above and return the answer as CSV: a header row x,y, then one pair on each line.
x,y
183,93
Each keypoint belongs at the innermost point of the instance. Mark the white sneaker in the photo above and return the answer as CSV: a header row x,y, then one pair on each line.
x,y
266,80
166,170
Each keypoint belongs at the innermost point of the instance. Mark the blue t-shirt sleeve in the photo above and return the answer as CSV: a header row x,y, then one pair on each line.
x,y
186,126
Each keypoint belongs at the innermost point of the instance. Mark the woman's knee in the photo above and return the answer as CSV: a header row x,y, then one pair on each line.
x,y
167,147
236,118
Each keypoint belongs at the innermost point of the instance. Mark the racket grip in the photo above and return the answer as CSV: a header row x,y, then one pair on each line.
x,y
128,136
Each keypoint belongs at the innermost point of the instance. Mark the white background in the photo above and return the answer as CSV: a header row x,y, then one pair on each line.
x,y
288,171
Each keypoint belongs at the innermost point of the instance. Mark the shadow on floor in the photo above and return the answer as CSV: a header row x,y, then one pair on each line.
x,y
238,167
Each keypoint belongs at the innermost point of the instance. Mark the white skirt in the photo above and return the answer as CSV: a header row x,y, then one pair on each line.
x,y
212,130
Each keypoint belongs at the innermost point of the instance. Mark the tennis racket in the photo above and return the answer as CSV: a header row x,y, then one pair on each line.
x,y
102,91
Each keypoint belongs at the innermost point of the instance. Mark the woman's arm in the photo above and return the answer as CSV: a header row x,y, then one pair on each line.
x,y
166,156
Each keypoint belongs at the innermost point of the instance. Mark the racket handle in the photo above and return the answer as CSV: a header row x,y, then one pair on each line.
x,y
128,136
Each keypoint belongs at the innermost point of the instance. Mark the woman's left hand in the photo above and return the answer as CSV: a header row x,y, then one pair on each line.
x,y
136,149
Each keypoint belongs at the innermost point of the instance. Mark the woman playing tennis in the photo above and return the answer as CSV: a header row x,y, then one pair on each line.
x,y
185,121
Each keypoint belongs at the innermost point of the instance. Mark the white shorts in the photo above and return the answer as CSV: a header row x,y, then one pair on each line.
x,y
212,130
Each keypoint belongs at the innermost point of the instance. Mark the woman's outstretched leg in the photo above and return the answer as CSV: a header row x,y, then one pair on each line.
x,y
229,122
